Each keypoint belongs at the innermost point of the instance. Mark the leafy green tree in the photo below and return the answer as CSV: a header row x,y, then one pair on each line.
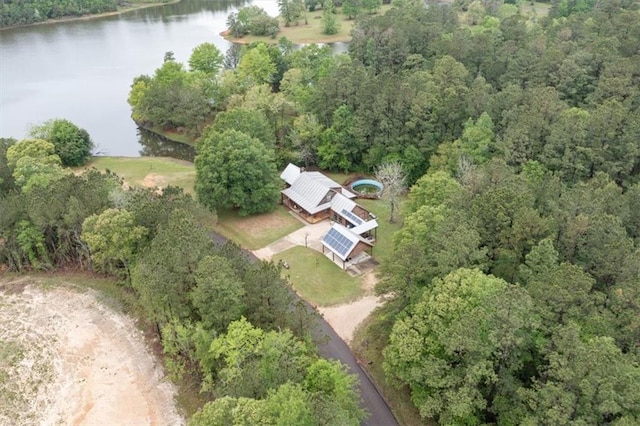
x,y
218,294
252,361
330,24
257,65
164,276
587,382
250,122
72,144
34,164
460,348
351,8
206,58
340,148
291,11
371,6
287,405
433,189
6,178
113,239
234,170
333,393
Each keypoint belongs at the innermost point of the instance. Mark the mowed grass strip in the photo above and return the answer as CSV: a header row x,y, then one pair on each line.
x,y
149,171
317,279
257,231
311,32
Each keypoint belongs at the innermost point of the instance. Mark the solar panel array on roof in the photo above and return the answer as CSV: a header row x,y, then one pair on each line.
x,y
352,217
341,244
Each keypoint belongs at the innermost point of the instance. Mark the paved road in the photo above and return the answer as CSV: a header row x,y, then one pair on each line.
x,y
334,347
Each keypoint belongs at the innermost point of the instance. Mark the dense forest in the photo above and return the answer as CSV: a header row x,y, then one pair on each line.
x,y
23,12
516,275
513,296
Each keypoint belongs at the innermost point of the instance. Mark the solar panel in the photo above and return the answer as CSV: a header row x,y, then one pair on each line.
x,y
352,217
338,242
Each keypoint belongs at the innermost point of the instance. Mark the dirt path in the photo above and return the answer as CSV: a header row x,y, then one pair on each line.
x,y
67,359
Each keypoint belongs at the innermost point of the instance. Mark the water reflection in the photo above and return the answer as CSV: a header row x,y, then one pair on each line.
x,y
154,145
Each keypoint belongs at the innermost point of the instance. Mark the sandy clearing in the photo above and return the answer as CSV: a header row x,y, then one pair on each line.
x,y
344,319
70,360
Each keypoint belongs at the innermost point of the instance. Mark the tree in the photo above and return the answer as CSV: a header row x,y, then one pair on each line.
x,y
234,170
34,164
165,275
587,382
433,189
333,393
113,239
291,10
351,8
461,349
6,179
393,179
252,361
330,24
250,122
218,294
72,144
256,65
371,6
206,58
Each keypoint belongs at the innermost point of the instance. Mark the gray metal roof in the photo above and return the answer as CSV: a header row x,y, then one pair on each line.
x,y
324,180
366,226
290,173
308,194
340,202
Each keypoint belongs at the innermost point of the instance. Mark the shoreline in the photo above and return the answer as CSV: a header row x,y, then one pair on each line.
x,y
89,17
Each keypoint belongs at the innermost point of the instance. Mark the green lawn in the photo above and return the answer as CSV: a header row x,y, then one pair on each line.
x,y
540,9
257,231
149,171
311,32
383,249
317,279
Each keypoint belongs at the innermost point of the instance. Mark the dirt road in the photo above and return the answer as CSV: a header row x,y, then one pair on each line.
x,y
66,358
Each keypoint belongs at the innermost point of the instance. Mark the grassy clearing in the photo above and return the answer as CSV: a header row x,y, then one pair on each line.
x,y
383,250
149,171
257,231
317,279
369,340
310,32
536,8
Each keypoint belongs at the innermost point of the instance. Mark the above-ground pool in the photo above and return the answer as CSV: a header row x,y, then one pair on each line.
x,y
367,188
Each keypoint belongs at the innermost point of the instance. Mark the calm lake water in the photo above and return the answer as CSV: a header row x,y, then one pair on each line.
x,y
82,70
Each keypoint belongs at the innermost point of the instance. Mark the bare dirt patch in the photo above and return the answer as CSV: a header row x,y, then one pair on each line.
x,y
67,359
154,180
345,318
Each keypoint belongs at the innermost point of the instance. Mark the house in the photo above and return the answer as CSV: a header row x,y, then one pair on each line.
x,y
344,243
316,197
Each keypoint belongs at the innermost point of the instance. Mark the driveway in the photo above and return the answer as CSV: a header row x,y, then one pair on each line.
x,y
332,346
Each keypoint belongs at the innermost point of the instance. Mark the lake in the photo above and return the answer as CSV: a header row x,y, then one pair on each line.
x,y
82,70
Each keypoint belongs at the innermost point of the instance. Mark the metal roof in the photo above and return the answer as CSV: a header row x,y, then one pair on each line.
x,y
366,226
341,241
324,180
290,173
308,194
340,202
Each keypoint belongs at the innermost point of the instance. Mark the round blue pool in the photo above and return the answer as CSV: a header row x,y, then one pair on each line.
x,y
367,187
